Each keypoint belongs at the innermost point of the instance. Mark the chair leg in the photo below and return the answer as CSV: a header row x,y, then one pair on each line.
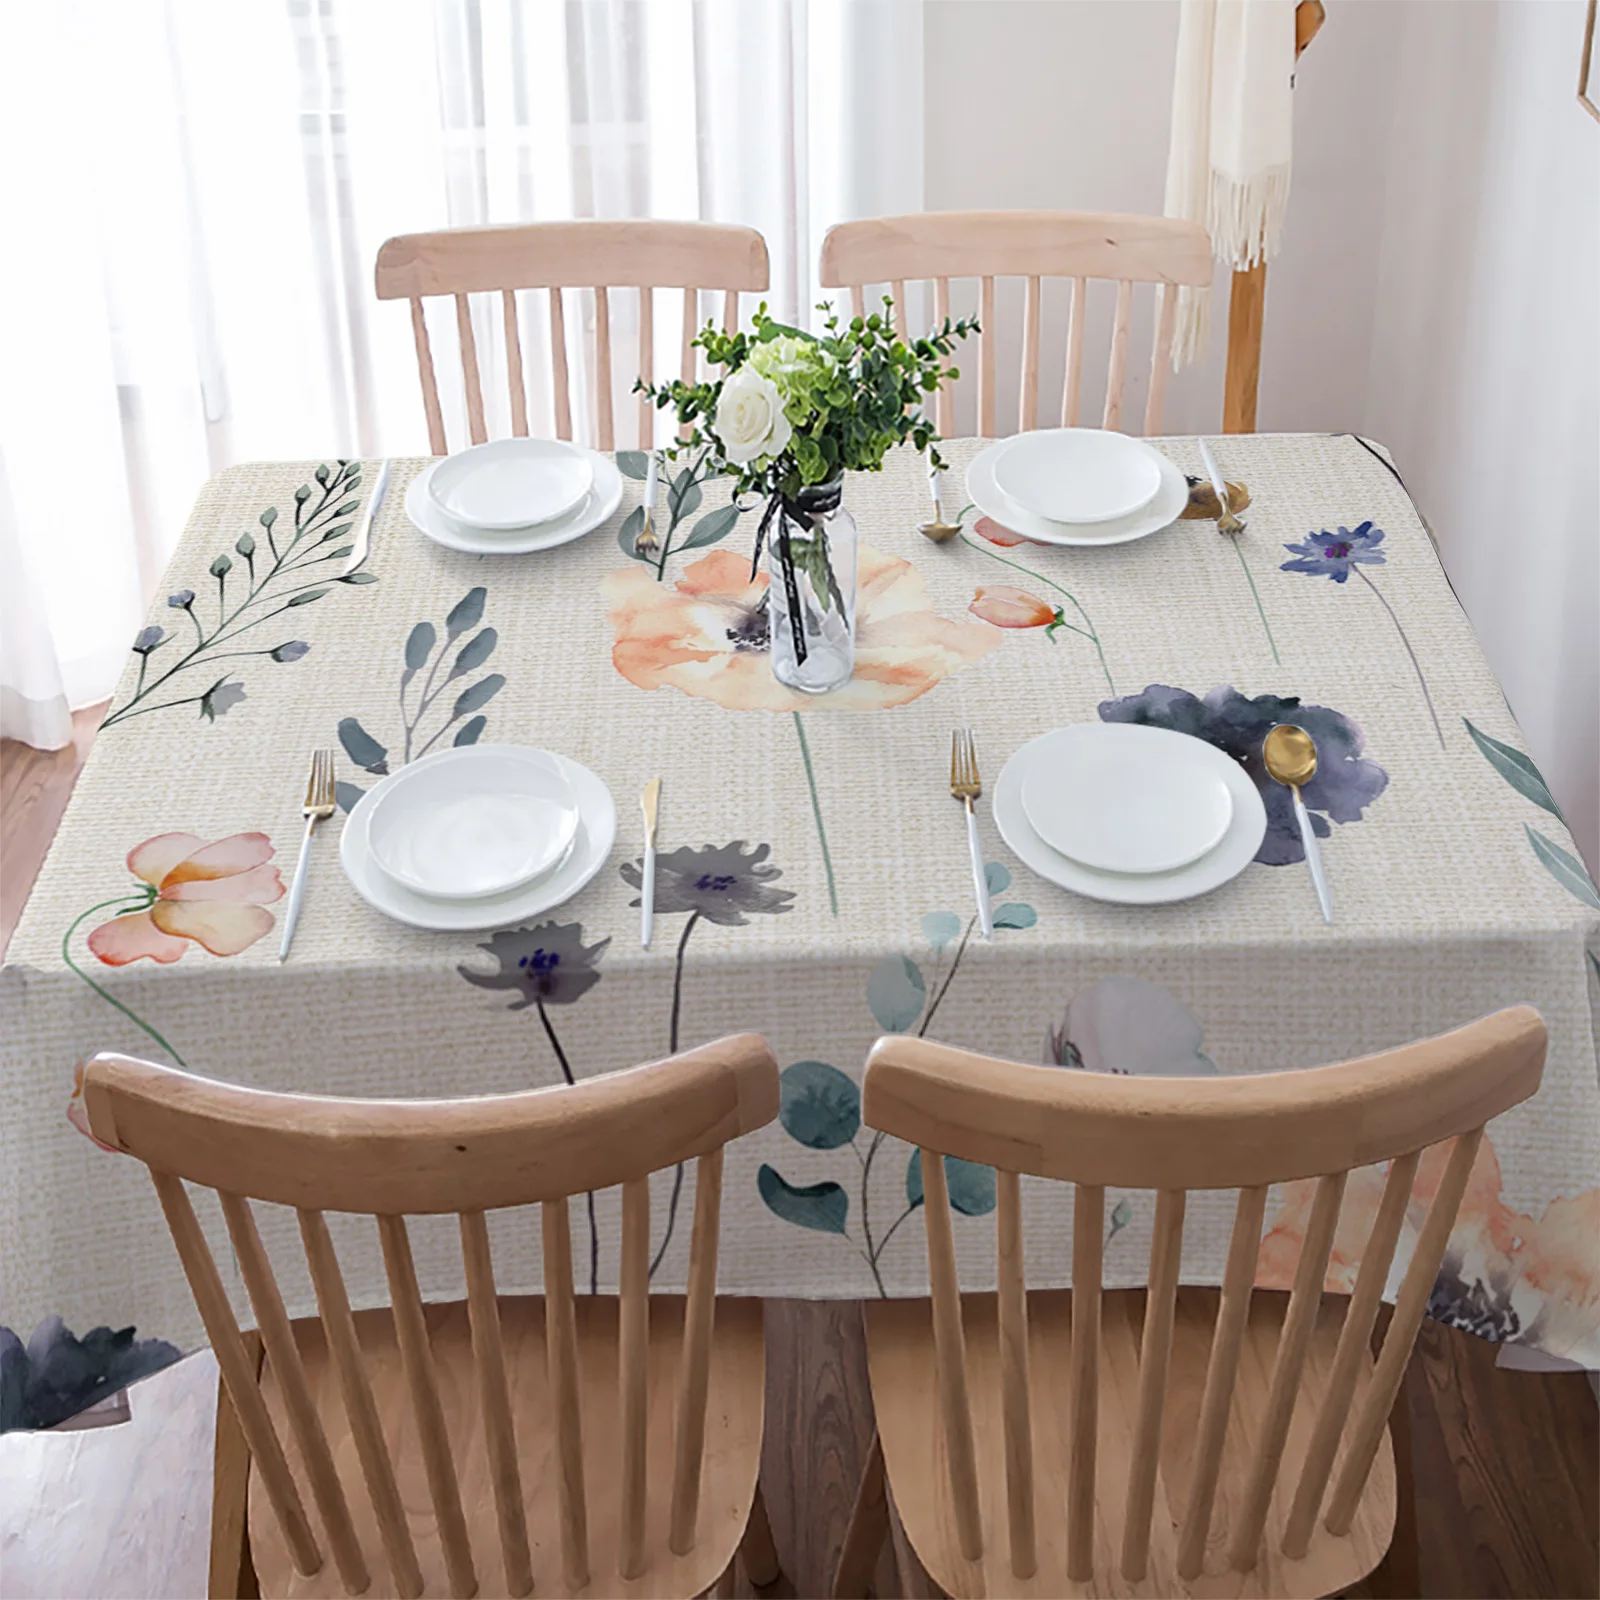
x,y
232,1574
759,1552
869,1526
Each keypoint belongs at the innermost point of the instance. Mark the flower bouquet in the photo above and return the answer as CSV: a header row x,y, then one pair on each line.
x,y
791,413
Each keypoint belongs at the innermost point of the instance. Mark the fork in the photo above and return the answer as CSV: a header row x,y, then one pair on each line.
x,y
1227,522
318,808
966,786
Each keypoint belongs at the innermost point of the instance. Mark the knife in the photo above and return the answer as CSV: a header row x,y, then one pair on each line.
x,y
649,801
358,553
1215,476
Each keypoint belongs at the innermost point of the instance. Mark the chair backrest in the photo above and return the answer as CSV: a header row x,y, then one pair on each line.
x,y
1034,245
1173,1135
389,1159
637,256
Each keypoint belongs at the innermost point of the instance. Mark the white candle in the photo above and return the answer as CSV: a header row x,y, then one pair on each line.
x,y
650,491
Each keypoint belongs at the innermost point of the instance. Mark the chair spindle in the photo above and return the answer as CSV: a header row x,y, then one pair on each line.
x,y
515,381
950,1357
1161,361
494,1400
1116,375
946,417
1072,381
416,1357
730,310
988,339
1222,1369
897,292
284,1356
1354,1338
377,1467
633,1359
1372,1415
469,370
1015,1390
1028,401
238,1371
1299,1323
602,367
430,385
561,1353
560,383
1088,1239
1166,1254
694,1372
647,343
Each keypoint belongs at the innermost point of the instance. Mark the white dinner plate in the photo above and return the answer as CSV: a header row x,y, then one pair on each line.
x,y
462,824
1078,475
1121,797
597,832
603,498
1219,866
511,483
992,501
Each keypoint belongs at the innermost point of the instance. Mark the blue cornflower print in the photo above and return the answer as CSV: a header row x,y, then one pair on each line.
x,y
1332,555
1336,556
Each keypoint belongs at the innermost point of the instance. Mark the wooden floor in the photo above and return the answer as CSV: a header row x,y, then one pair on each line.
x,y
1506,1464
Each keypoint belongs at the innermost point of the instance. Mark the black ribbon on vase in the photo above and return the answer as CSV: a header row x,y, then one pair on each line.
x,y
814,502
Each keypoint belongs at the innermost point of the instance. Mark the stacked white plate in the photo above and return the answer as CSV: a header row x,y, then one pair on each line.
x,y
1130,814
1079,486
478,837
514,495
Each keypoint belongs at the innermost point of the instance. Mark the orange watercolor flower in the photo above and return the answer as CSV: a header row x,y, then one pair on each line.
x,y
1009,607
707,636
208,894
998,533
1531,1280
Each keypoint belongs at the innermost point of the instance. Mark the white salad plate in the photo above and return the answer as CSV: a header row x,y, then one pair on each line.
x,y
992,501
1124,798
603,498
462,824
1078,475
511,483
590,848
1218,866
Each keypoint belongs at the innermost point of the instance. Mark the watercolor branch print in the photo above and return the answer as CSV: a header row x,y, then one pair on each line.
x,y
285,582
425,655
187,893
1345,784
820,1106
684,495
1007,607
1336,556
1519,771
548,965
725,884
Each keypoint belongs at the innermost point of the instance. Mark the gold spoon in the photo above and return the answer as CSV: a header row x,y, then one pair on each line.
x,y
938,530
1291,758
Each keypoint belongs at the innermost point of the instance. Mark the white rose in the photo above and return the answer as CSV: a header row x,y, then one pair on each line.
x,y
750,420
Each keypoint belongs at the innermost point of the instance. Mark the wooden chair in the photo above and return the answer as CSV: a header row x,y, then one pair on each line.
x,y
1034,245
1158,1442
503,1443
637,256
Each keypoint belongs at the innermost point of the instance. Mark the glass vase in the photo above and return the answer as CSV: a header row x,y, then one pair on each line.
x,y
811,592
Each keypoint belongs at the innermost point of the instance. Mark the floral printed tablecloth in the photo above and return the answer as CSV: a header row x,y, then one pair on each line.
x,y
813,882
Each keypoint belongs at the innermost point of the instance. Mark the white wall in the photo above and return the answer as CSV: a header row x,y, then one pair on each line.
x,y
1437,287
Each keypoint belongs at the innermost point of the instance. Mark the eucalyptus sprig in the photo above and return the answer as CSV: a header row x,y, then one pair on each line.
x,y
792,408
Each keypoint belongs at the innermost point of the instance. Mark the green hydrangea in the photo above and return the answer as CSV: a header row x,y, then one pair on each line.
x,y
798,368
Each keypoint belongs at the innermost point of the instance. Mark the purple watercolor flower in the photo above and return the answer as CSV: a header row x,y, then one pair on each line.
x,y
1331,555
1345,783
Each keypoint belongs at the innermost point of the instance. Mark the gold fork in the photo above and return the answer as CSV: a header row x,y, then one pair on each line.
x,y
318,807
966,786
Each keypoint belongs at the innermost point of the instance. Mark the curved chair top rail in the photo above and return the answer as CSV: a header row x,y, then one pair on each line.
x,y
1024,244
573,255
1202,1133
397,1157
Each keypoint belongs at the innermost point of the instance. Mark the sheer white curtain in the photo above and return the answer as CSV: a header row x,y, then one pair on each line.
x,y
195,193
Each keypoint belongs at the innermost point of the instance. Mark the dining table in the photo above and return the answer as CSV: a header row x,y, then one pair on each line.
x,y
812,879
